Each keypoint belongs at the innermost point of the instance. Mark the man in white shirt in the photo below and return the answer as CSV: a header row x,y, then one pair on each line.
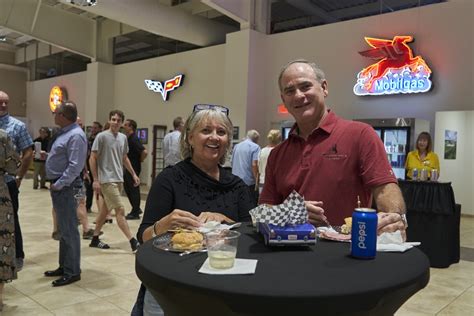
x,y
171,151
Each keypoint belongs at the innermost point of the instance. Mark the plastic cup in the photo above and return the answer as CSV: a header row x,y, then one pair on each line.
x,y
222,248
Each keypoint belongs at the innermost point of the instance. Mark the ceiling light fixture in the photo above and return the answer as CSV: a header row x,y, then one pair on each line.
x,y
84,3
3,38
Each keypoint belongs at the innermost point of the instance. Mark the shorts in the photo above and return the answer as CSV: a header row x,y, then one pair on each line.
x,y
112,196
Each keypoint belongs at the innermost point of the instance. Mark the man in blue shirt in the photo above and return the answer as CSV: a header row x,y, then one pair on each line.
x,y
64,164
245,161
24,144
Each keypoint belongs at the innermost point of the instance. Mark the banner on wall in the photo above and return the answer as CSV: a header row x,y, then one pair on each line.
x,y
396,70
166,87
450,144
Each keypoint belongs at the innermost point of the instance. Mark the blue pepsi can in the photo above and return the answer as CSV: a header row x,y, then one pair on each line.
x,y
415,174
364,233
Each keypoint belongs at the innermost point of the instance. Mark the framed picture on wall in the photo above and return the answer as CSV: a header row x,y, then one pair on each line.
x,y
235,135
142,134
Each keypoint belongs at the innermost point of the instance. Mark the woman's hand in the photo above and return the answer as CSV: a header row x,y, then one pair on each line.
x,y
177,219
391,222
316,213
205,217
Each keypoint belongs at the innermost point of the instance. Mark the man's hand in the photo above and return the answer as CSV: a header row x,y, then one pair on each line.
x,y
18,181
96,187
316,213
389,223
53,187
212,216
136,180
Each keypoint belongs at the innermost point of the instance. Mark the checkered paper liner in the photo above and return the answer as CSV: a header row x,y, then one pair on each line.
x,y
291,211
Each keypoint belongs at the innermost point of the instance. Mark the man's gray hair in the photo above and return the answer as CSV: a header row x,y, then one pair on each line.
x,y
253,135
318,72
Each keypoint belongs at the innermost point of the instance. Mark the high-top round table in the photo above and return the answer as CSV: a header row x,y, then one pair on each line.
x,y
322,279
433,219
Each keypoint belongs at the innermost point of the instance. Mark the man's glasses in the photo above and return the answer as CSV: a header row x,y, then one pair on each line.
x,y
220,108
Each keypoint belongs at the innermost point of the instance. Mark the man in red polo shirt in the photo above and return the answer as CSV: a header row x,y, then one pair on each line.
x,y
328,160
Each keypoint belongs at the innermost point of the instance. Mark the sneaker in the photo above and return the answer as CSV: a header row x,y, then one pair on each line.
x,y
89,234
131,216
97,243
134,244
109,220
56,235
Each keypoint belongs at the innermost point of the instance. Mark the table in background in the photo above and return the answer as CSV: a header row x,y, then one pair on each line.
x,y
433,219
321,279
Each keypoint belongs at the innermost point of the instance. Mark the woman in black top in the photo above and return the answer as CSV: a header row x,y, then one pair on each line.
x,y
197,189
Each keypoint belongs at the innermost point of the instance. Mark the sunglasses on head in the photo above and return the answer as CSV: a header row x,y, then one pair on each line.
x,y
220,108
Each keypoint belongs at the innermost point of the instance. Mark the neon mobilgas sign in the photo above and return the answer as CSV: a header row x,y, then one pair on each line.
x,y
56,96
165,87
397,71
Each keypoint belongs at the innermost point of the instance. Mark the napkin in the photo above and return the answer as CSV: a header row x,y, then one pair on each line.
x,y
291,211
393,242
214,225
241,266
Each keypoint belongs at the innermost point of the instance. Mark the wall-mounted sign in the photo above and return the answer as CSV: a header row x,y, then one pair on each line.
x,y
56,96
396,70
166,87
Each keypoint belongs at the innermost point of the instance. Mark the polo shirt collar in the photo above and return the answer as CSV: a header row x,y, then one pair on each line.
x,y
328,124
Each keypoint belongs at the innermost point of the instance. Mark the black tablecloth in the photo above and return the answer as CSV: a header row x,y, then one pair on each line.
x,y
321,279
433,219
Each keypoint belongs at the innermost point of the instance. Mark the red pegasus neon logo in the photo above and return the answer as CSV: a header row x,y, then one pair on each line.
x,y
394,54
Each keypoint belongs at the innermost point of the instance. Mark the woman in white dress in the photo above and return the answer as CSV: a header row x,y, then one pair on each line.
x,y
274,138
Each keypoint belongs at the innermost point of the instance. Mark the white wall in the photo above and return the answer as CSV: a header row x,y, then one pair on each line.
x,y
242,74
460,170
38,111
443,36
203,83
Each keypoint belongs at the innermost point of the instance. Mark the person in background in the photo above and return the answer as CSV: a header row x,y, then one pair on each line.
x,y
96,129
108,158
171,152
80,196
245,161
422,157
8,165
330,161
23,143
136,154
274,138
40,158
197,189
64,165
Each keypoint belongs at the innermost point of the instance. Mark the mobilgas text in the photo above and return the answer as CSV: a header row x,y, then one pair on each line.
x,y
364,233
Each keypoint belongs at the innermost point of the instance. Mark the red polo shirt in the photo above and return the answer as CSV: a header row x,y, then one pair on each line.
x,y
339,161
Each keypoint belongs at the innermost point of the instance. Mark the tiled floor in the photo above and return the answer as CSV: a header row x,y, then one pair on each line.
x,y
109,284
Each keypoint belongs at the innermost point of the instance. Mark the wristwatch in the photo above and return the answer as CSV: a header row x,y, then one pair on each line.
x,y
404,220
18,178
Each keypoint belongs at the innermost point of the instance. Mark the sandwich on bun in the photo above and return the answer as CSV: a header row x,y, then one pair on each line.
x,y
187,240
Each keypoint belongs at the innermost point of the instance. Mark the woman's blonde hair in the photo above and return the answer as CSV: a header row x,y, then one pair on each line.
x,y
195,120
274,136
